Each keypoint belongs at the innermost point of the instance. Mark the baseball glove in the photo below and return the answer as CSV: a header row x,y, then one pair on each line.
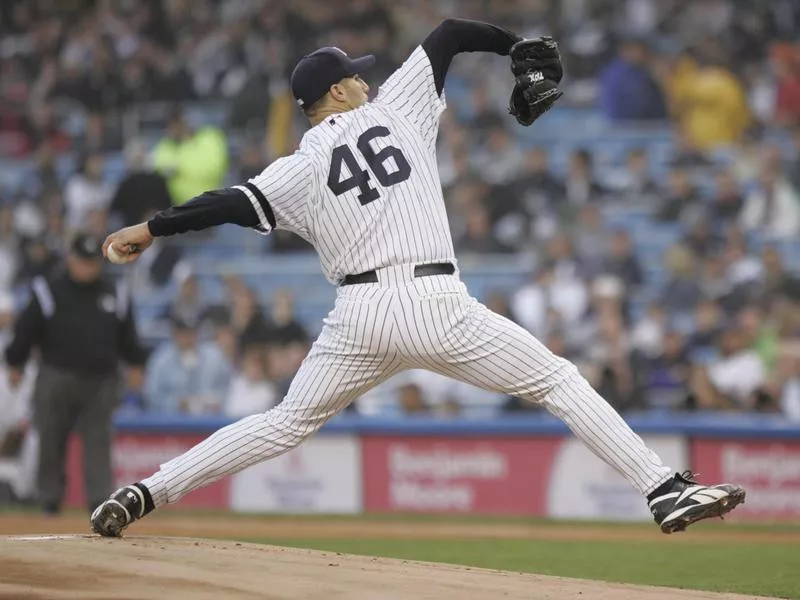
x,y
536,65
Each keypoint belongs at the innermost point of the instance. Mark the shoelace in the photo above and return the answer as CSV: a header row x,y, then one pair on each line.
x,y
689,476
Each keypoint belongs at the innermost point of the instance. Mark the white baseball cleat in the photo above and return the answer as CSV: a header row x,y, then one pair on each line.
x,y
687,502
122,508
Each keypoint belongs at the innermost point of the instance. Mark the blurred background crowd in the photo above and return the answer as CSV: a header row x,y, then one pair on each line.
x,y
646,228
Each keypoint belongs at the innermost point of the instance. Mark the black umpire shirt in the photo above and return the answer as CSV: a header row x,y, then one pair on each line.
x,y
80,327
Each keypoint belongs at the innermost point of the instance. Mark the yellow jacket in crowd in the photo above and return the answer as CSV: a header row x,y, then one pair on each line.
x,y
709,103
193,165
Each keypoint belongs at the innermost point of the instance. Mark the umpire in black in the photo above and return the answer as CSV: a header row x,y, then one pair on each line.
x,y
82,325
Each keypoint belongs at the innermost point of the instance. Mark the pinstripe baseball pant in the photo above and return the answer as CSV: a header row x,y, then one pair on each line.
x,y
379,329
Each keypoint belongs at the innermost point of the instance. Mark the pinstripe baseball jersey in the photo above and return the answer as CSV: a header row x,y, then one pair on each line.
x,y
363,188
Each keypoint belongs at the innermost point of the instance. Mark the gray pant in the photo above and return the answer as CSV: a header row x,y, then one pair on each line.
x,y
64,402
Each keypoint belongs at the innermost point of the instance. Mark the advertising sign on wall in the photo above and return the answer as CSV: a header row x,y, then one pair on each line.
x,y
323,475
769,471
583,487
476,475
136,456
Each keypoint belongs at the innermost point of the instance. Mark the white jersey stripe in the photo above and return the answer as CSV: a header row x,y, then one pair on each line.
x,y
262,218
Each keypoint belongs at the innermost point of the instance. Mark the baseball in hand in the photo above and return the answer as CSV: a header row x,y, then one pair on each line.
x,y
114,256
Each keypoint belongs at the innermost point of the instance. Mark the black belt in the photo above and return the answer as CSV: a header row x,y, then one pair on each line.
x,y
425,270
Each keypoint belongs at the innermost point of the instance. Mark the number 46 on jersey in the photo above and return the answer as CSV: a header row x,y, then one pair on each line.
x,y
376,161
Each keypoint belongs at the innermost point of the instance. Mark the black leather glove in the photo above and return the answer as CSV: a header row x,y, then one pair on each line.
x,y
537,54
536,65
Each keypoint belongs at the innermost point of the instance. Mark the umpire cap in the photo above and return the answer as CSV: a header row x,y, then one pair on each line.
x,y
317,72
86,245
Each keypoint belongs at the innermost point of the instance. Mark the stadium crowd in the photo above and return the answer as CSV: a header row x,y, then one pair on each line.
x,y
713,323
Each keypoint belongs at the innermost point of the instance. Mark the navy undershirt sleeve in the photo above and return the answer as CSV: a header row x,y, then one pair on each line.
x,y
462,35
209,209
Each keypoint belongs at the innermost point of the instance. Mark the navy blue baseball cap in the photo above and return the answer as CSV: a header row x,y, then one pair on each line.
x,y
317,72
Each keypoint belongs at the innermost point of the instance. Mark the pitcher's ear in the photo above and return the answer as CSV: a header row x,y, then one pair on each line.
x,y
337,92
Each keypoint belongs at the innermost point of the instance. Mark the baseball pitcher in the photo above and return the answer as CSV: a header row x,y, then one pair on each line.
x,y
364,190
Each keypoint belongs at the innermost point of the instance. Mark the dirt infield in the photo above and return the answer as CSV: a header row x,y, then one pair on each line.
x,y
82,567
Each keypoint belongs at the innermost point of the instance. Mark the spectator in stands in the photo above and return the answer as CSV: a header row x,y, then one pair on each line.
x,y
246,317
678,197
18,440
411,398
137,81
499,302
580,308
786,384
498,159
727,202
714,283
100,87
681,291
461,197
536,177
531,301
622,261
560,252
193,161
478,236
8,249
484,115
742,270
628,90
189,305
793,168
142,191
101,134
786,61
43,179
648,334
701,239
773,207
687,155
36,257
186,375
556,342
251,391
86,191
710,102
707,326
634,183
225,337
527,205
667,374
776,280
581,187
591,239
45,127
733,382
283,328
251,161
759,335
569,297
454,162
611,372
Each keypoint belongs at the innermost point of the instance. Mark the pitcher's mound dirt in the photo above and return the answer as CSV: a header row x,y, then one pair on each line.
x,y
82,567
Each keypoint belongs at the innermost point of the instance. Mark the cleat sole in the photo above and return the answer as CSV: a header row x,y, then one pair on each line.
x,y
717,509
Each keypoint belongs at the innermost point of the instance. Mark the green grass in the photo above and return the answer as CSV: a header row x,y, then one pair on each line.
x,y
765,527
745,568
